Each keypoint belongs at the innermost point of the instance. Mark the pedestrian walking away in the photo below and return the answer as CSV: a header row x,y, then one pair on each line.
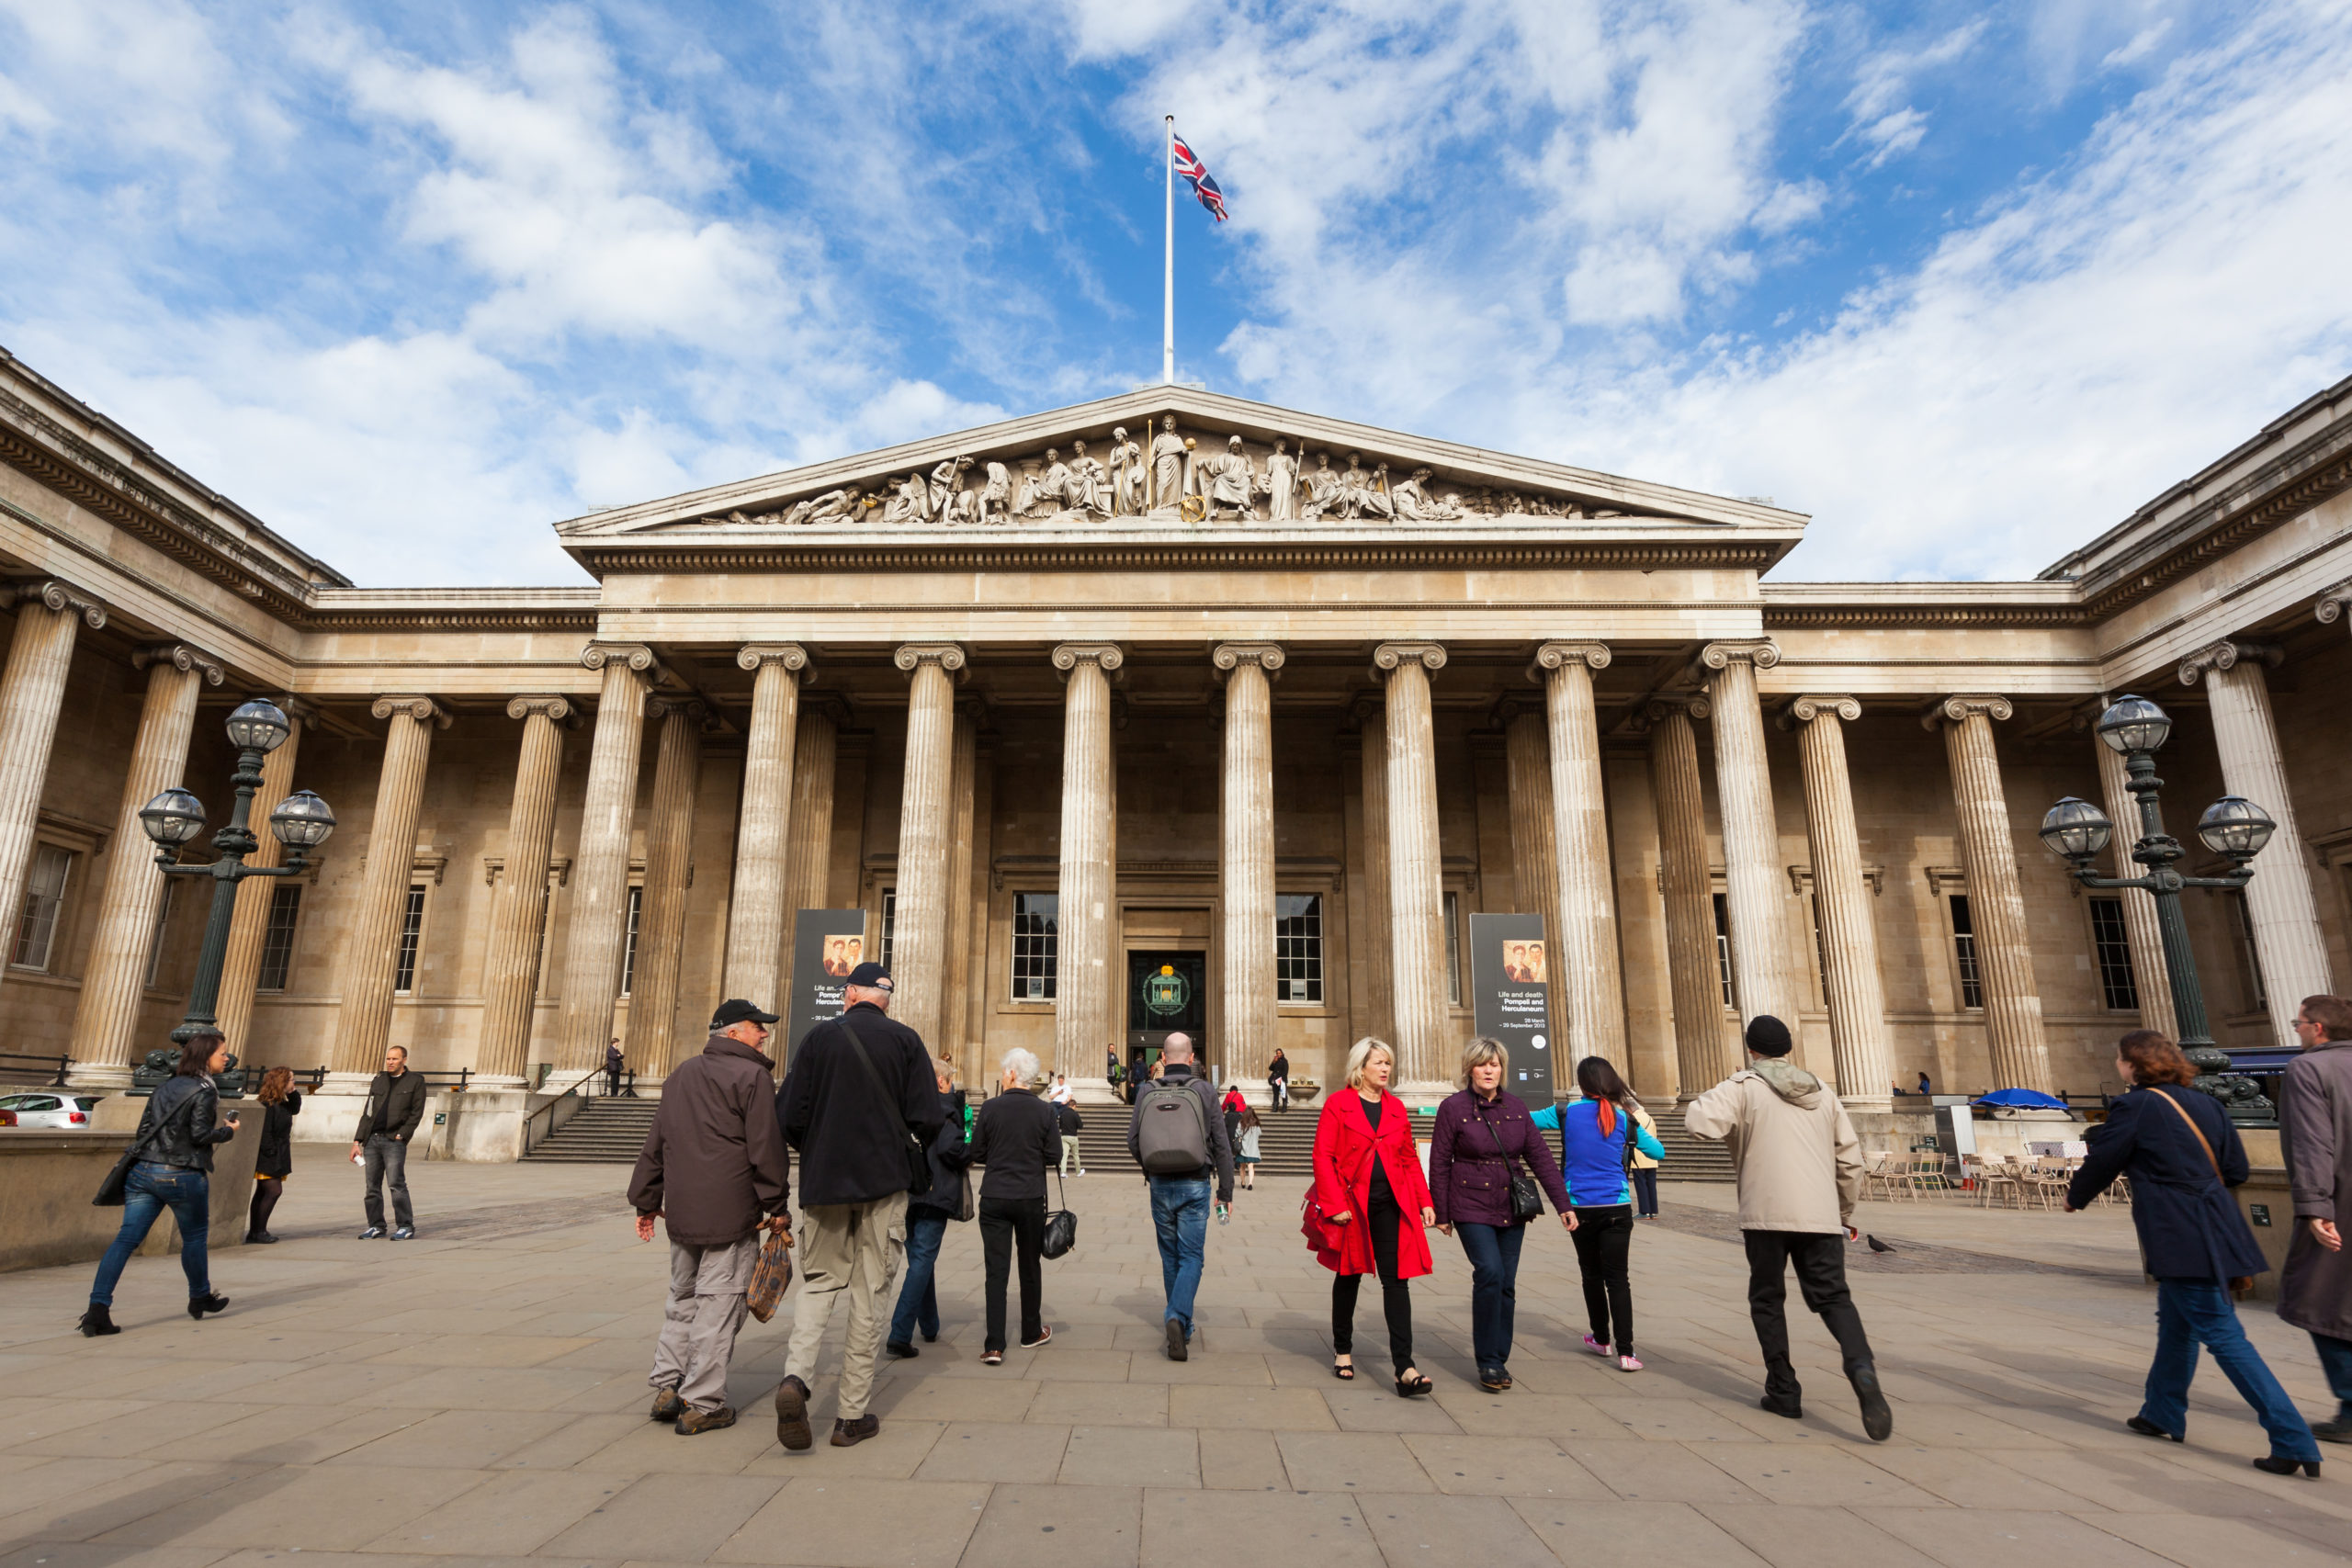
x,y
174,1146
1234,1103
860,1104
394,1111
1245,1153
1178,1137
929,1214
274,1161
1278,1079
1072,1123
1600,1139
2183,1155
1644,1164
715,1172
1484,1145
2315,1135
1799,1167
1020,1136
1376,1203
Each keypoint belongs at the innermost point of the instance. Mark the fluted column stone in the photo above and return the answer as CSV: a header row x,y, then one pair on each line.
x,y
2287,943
32,693
1527,768
759,912
1379,981
598,939
1849,981
1584,923
249,923
654,1042
2013,1028
919,933
1752,878
1415,871
371,953
1702,1058
956,1012
1246,865
2151,974
1083,987
519,903
808,860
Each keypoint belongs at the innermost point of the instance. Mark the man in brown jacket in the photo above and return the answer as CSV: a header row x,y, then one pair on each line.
x,y
2315,1135
715,1169
1799,1169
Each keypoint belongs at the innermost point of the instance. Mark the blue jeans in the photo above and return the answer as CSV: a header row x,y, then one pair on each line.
x,y
2194,1312
1493,1251
2336,1360
1180,1214
148,1191
918,1297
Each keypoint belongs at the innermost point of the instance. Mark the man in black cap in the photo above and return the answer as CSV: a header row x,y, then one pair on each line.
x,y
857,1102
715,1171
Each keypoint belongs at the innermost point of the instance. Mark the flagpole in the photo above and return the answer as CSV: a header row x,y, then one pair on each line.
x,y
1167,298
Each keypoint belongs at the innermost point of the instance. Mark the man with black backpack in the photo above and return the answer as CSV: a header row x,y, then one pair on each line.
x,y
1178,1137
859,1105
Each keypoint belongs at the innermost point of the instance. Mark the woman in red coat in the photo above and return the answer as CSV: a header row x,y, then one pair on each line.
x,y
1377,1208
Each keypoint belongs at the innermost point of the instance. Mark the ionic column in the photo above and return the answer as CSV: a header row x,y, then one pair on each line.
x,y
1378,981
2287,940
1583,921
1527,765
371,953
1995,897
1751,834
41,655
519,909
1848,939
1246,866
2151,974
918,934
1701,1056
963,769
599,935
249,925
759,915
808,860
107,1018
661,918
1083,987
1416,872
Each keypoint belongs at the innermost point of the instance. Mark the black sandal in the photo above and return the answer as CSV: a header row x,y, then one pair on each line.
x,y
1346,1373
1419,1385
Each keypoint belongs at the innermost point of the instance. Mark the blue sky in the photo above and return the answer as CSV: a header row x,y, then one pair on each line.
x,y
1968,283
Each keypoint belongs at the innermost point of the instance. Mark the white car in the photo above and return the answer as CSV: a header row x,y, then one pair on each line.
x,y
56,1108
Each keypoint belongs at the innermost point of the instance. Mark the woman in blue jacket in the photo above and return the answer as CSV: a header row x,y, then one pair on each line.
x,y
1593,1159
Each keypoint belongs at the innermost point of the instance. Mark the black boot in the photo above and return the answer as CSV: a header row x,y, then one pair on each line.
x,y
97,1321
198,1305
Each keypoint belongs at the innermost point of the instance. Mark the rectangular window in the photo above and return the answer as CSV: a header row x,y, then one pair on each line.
x,y
889,921
1299,947
1035,920
1723,948
278,941
2112,944
1964,948
155,938
412,928
628,947
1454,949
2250,955
44,897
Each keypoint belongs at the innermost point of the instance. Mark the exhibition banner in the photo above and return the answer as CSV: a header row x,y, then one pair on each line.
x,y
826,945
1510,979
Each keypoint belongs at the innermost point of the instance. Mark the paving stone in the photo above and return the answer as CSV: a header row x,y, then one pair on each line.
x,y
1316,1529
1988,1538
1829,1476
1800,1536
1367,1463
1504,1467
1024,1527
984,1450
1242,1461
471,1439
1135,1456
680,1519
1101,1405
1658,1472
1252,1409
1656,1534
1450,1530
514,1512
828,1522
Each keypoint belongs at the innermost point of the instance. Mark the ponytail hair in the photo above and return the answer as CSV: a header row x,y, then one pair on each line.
x,y
1600,1082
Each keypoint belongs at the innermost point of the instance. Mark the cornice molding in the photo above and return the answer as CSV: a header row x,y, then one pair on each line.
x,y
2232,522
1865,617
641,555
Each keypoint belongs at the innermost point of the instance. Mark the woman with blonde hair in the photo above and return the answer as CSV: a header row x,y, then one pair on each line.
x,y
1479,1133
1375,1205
281,1102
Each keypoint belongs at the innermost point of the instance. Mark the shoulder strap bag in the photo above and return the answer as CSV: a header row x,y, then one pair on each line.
x,y
1526,1198
918,1157
2241,1285
1061,1226
113,1191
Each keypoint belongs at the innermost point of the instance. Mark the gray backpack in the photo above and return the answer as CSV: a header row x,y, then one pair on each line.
x,y
1171,1130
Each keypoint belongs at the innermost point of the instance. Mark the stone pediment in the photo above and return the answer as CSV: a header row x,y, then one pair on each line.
x,y
1167,458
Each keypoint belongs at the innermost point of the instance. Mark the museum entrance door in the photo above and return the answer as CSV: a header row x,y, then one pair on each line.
x,y
1168,990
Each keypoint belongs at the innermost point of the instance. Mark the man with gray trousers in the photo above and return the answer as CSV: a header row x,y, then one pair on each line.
x,y
715,1172
2315,1136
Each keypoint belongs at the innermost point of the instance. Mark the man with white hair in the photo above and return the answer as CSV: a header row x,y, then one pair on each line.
x,y
1178,1137
1017,1138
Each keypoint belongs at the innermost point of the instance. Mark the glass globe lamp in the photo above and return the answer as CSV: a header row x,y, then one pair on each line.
x,y
2075,830
2235,827
2134,724
173,817
259,726
302,821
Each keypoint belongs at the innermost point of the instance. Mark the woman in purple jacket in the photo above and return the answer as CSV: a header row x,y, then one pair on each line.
x,y
1479,1133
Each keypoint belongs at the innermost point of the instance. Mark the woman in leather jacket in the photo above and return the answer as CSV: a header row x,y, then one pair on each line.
x,y
174,1168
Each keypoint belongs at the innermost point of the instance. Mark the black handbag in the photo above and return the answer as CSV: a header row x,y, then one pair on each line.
x,y
918,1155
114,1191
1062,1227
1526,1198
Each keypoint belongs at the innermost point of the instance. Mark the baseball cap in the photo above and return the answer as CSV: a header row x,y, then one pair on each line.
x,y
738,1010
869,974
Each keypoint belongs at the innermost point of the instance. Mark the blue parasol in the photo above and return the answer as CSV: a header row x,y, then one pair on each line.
x,y
2022,1100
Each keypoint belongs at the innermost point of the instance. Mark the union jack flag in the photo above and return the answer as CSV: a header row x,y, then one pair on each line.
x,y
1197,174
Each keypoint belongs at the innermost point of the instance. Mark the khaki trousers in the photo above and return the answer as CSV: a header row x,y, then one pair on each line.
x,y
706,1311
856,1248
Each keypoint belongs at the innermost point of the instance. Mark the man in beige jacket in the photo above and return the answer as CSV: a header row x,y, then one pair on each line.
x,y
1800,1175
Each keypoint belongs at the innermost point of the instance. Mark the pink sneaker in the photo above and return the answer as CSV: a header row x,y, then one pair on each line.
x,y
1628,1363
1597,1347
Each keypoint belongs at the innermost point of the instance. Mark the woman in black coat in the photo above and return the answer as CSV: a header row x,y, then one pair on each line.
x,y
2179,1148
281,1102
1019,1137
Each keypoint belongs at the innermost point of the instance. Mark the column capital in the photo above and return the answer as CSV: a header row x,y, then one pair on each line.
x,y
1228,656
911,657
1390,656
1760,651
2332,600
543,706
63,598
791,655
685,704
1691,705
635,657
180,657
422,709
1962,705
1512,707
1554,655
2225,655
1805,709
1104,656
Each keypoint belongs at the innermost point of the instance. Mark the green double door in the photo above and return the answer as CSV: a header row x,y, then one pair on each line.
x,y
1168,990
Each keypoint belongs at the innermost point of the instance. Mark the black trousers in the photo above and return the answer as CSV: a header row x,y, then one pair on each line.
x,y
1604,1239
1006,1223
1821,1275
1396,1297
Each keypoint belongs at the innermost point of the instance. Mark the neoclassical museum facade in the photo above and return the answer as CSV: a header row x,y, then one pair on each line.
x,y
1170,699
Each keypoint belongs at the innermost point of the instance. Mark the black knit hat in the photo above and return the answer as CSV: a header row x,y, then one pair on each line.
x,y
1767,1036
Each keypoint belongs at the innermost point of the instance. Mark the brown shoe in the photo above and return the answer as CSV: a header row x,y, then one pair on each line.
x,y
792,1415
849,1434
695,1421
667,1406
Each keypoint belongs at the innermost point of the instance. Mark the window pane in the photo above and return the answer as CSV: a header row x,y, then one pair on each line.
x,y
1037,918
44,894
1454,949
1963,944
412,928
277,943
889,921
2113,946
1299,947
1723,947
628,949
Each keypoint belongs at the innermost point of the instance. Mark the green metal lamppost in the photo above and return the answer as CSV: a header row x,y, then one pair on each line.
x,y
300,823
2232,827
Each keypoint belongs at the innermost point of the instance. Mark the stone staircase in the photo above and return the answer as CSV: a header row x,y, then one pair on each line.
x,y
602,1131
1688,1158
